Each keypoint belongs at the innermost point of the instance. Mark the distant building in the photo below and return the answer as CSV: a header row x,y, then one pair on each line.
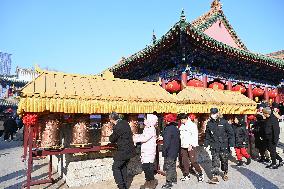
x,y
26,74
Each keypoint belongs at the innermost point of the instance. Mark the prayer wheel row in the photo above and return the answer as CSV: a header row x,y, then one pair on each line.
x,y
49,127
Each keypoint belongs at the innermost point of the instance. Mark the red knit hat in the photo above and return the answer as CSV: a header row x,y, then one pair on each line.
x,y
170,117
192,117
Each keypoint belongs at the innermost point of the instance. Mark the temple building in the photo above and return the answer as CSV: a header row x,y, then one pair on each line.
x,y
206,52
11,84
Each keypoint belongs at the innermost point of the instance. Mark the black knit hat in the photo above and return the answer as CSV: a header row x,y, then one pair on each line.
x,y
275,105
214,110
182,116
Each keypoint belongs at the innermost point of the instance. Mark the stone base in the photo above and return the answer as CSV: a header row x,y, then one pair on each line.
x,y
82,173
80,170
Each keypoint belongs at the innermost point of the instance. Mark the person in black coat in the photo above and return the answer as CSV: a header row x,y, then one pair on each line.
x,y
272,132
241,140
259,135
122,137
171,146
219,135
10,127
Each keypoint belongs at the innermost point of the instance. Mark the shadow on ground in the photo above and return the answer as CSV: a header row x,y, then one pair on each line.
x,y
257,180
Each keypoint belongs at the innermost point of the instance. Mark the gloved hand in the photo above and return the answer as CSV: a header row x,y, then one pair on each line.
x,y
207,148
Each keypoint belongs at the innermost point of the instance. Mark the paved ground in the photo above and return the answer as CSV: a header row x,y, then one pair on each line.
x,y
13,170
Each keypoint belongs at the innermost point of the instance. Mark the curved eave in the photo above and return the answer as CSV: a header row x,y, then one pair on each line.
x,y
203,39
211,43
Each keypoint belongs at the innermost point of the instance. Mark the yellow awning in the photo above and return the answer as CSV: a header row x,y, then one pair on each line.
x,y
201,100
70,93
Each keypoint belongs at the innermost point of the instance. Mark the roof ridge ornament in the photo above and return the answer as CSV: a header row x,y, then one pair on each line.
x,y
182,16
216,5
154,38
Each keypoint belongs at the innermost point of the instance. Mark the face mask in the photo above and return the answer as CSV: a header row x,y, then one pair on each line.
x,y
214,116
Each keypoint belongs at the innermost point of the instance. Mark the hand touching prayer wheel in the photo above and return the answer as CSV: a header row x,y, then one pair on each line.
x,y
50,137
80,134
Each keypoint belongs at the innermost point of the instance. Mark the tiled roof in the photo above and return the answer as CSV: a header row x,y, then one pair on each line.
x,y
70,93
9,102
228,102
216,13
195,32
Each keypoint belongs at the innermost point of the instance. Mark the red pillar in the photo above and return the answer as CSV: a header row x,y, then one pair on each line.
x,y
163,84
266,95
277,99
183,80
250,94
229,85
205,81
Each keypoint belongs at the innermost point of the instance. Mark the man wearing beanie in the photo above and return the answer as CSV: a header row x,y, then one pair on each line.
x,y
219,135
171,147
272,132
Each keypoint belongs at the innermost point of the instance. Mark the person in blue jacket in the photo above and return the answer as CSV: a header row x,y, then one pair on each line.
x,y
171,148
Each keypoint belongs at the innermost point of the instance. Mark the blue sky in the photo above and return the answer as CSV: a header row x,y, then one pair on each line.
x,y
88,36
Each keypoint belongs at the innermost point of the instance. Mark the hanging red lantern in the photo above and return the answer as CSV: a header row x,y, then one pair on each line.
x,y
257,92
239,88
195,83
272,93
173,86
217,85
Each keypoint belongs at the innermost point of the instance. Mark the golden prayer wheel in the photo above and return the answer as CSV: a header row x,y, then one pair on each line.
x,y
50,136
106,130
80,133
133,123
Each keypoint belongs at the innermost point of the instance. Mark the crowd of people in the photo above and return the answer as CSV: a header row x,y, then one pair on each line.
x,y
180,139
9,125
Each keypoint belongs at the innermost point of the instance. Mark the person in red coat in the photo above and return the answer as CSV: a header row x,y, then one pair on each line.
x,y
241,140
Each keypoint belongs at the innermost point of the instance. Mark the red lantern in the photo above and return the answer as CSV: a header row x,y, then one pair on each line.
x,y
173,86
195,83
272,94
30,119
240,88
257,92
217,85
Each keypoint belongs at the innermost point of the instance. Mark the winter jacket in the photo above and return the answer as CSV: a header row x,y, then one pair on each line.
x,y
1,125
188,134
258,131
149,142
10,125
241,135
122,136
272,129
171,141
219,135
